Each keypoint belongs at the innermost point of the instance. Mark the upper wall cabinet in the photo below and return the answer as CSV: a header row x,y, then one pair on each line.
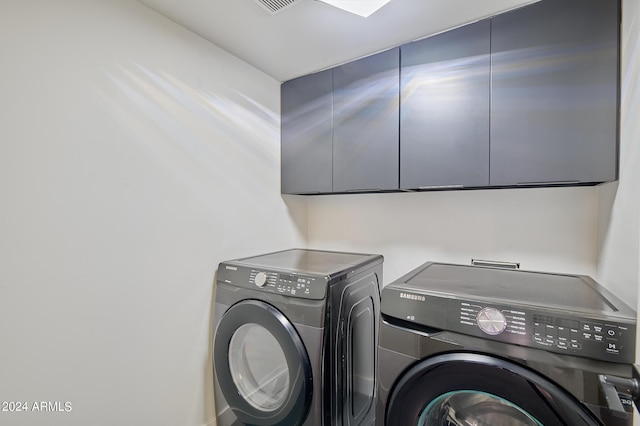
x,y
365,123
340,128
527,98
306,134
554,93
444,112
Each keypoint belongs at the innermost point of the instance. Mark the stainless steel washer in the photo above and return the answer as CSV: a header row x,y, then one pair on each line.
x,y
464,345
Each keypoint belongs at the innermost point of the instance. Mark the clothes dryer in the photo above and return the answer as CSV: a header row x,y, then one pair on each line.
x,y
295,339
470,345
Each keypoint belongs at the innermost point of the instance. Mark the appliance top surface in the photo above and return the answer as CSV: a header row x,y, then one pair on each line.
x,y
316,262
558,292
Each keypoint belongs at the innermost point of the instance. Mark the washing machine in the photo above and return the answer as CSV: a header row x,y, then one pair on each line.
x,y
471,345
295,338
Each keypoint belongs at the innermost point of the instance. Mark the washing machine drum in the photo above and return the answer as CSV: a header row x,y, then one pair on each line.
x,y
462,389
262,366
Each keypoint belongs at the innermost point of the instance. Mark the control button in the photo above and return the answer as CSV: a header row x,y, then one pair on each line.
x,y
563,333
260,279
491,321
612,333
575,345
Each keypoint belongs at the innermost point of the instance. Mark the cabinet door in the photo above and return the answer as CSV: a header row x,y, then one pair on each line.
x,y
444,110
555,93
306,145
365,133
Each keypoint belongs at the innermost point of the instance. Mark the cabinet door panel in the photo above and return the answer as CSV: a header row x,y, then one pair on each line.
x,y
555,93
306,144
365,134
444,110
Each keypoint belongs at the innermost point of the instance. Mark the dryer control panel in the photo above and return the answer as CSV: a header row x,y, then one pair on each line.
x,y
598,338
270,281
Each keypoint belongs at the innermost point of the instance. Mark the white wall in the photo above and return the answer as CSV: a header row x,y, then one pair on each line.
x,y
619,263
544,229
134,156
620,202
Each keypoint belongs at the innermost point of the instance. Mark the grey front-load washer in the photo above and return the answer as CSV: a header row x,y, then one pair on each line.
x,y
295,339
470,345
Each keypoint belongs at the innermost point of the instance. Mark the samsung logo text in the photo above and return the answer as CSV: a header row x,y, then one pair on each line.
x,y
412,297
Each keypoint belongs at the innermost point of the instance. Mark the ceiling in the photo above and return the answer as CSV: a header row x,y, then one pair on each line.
x,y
310,35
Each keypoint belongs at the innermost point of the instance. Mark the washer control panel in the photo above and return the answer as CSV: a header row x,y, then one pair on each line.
x,y
597,336
601,339
283,283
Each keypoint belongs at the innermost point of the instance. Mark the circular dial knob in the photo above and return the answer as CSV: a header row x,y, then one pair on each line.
x,y
260,279
491,321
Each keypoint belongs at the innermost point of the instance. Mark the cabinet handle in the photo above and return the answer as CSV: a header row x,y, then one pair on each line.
x,y
441,187
558,182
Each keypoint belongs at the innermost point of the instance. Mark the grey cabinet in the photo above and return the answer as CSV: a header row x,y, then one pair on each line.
x,y
555,93
340,128
306,134
529,97
444,113
365,123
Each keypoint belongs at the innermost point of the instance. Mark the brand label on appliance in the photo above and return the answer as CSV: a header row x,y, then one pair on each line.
x,y
231,268
410,296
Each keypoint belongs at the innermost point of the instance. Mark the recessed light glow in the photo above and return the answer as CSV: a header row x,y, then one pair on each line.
x,y
359,7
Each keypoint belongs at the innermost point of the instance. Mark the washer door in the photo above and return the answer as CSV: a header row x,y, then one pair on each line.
x,y
262,366
470,389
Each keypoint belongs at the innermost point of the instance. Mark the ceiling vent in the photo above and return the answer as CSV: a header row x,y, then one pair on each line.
x,y
275,6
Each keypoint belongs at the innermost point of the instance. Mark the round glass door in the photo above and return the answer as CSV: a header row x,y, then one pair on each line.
x,y
259,367
470,389
464,408
262,366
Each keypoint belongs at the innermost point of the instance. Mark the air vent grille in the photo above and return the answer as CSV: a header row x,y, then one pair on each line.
x,y
275,6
